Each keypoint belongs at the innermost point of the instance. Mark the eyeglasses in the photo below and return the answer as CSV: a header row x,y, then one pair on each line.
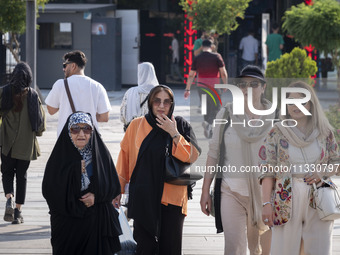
x,y
75,129
244,84
166,102
66,63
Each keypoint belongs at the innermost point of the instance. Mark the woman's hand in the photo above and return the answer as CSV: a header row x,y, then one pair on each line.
x,y
186,94
312,178
168,125
116,201
206,203
268,215
88,199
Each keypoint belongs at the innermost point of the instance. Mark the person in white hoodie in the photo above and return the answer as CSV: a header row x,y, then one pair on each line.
x,y
134,101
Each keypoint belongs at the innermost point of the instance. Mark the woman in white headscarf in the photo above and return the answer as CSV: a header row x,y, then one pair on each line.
x,y
133,103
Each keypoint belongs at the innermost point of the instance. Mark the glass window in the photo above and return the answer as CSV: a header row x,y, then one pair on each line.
x,y
55,35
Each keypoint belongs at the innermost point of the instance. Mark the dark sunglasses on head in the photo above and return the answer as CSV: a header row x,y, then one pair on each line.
x,y
166,102
244,84
66,63
75,129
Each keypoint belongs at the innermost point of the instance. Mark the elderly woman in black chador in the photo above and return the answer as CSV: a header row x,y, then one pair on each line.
x,y
79,185
23,119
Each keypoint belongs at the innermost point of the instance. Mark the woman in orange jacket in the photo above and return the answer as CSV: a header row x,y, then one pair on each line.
x,y
158,208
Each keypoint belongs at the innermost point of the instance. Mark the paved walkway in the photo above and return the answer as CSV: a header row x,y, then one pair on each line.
x,y
32,237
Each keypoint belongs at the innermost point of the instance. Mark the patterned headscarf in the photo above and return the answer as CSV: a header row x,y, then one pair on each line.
x,y
85,118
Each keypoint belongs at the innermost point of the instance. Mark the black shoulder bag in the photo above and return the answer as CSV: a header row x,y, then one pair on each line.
x,y
176,171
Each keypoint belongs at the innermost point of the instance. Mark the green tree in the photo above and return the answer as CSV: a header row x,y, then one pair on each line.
x,y
13,22
218,15
317,24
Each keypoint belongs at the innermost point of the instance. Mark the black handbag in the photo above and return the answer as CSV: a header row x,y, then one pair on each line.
x,y
178,172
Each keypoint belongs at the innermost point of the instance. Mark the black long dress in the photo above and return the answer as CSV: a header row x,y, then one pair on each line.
x,y
76,229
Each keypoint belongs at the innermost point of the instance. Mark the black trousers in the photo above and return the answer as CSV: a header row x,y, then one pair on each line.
x,y
9,168
212,108
170,239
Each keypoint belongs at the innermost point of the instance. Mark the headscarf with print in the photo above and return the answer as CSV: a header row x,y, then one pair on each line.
x,y
86,152
77,118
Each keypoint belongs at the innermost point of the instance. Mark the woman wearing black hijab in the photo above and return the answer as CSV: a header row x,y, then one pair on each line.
x,y
158,208
79,185
23,119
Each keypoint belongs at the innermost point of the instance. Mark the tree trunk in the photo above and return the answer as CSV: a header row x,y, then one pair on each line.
x,y
9,45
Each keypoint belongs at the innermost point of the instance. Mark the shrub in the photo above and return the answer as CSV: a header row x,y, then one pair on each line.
x,y
290,67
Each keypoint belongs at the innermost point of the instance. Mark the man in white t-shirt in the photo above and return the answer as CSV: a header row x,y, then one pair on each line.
x,y
87,94
250,48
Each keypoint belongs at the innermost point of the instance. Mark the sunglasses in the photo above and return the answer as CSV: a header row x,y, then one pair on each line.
x,y
66,63
244,84
166,102
301,103
75,129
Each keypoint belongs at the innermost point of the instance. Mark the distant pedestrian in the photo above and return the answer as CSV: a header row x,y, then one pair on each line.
x,y
88,95
23,118
198,43
250,48
134,101
209,67
289,43
214,36
274,44
80,184
326,66
174,70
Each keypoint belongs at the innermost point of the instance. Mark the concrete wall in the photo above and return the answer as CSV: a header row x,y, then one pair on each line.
x,y
106,53
49,61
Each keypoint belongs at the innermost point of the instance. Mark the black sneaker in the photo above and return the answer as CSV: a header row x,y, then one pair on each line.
x,y
9,210
17,217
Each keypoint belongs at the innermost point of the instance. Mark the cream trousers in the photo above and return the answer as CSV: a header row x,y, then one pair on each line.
x,y
304,233
237,226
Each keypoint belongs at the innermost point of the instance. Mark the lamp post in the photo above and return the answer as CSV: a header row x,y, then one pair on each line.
x,y
31,38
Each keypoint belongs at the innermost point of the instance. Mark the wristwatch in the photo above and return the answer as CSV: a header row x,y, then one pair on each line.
x,y
266,203
175,135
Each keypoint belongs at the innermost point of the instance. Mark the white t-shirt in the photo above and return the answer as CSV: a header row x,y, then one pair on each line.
x,y
88,96
250,46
